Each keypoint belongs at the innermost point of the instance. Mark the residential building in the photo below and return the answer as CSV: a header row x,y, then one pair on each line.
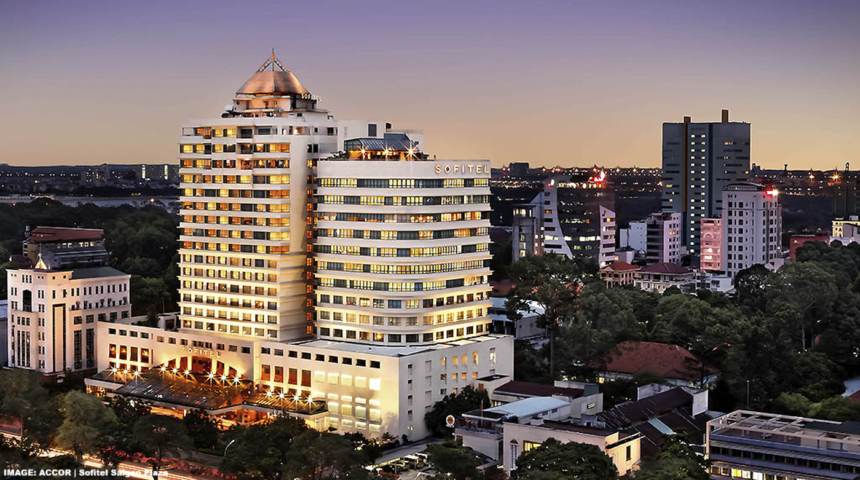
x,y
839,226
622,447
330,270
752,227
658,277
850,233
54,306
699,160
766,446
625,254
584,398
712,245
714,281
663,241
618,273
528,230
635,236
522,328
661,410
482,430
574,216
673,363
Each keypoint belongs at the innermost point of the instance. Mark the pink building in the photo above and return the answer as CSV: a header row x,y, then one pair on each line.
x,y
712,243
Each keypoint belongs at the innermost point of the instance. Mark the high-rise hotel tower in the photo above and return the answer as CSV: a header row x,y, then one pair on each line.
x,y
246,205
402,247
329,269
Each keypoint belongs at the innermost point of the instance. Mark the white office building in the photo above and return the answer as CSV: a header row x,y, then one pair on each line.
x,y
752,227
54,314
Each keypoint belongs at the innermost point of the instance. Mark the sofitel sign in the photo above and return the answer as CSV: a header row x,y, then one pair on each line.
x,y
456,168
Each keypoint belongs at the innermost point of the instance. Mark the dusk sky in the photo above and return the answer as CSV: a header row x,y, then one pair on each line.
x,y
550,83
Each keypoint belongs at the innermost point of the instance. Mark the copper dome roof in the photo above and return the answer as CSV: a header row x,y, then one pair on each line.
x,y
272,82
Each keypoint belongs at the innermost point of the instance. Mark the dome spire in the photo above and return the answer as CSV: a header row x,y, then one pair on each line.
x,y
271,62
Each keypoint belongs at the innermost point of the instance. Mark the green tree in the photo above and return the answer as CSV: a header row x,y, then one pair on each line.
x,y
676,461
452,459
86,420
836,408
160,436
201,428
792,404
750,287
465,400
23,397
809,289
530,363
260,451
316,456
148,295
546,285
603,318
565,461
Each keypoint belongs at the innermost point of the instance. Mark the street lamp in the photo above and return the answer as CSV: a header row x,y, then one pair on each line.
x,y
228,446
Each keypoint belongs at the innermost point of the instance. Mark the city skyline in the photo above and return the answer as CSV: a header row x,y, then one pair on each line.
x,y
568,81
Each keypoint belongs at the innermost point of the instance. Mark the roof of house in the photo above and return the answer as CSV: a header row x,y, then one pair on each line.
x,y
665,268
522,408
632,413
663,359
530,389
96,272
61,234
620,266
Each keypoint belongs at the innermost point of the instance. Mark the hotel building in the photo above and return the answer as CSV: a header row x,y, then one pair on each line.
x,y
329,270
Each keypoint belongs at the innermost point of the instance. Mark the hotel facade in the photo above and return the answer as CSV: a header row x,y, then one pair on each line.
x,y
329,270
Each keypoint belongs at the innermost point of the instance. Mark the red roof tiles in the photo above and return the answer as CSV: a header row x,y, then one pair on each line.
x,y
668,268
665,360
620,266
60,234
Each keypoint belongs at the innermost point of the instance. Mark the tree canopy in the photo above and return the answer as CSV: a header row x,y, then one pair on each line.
x,y
565,461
